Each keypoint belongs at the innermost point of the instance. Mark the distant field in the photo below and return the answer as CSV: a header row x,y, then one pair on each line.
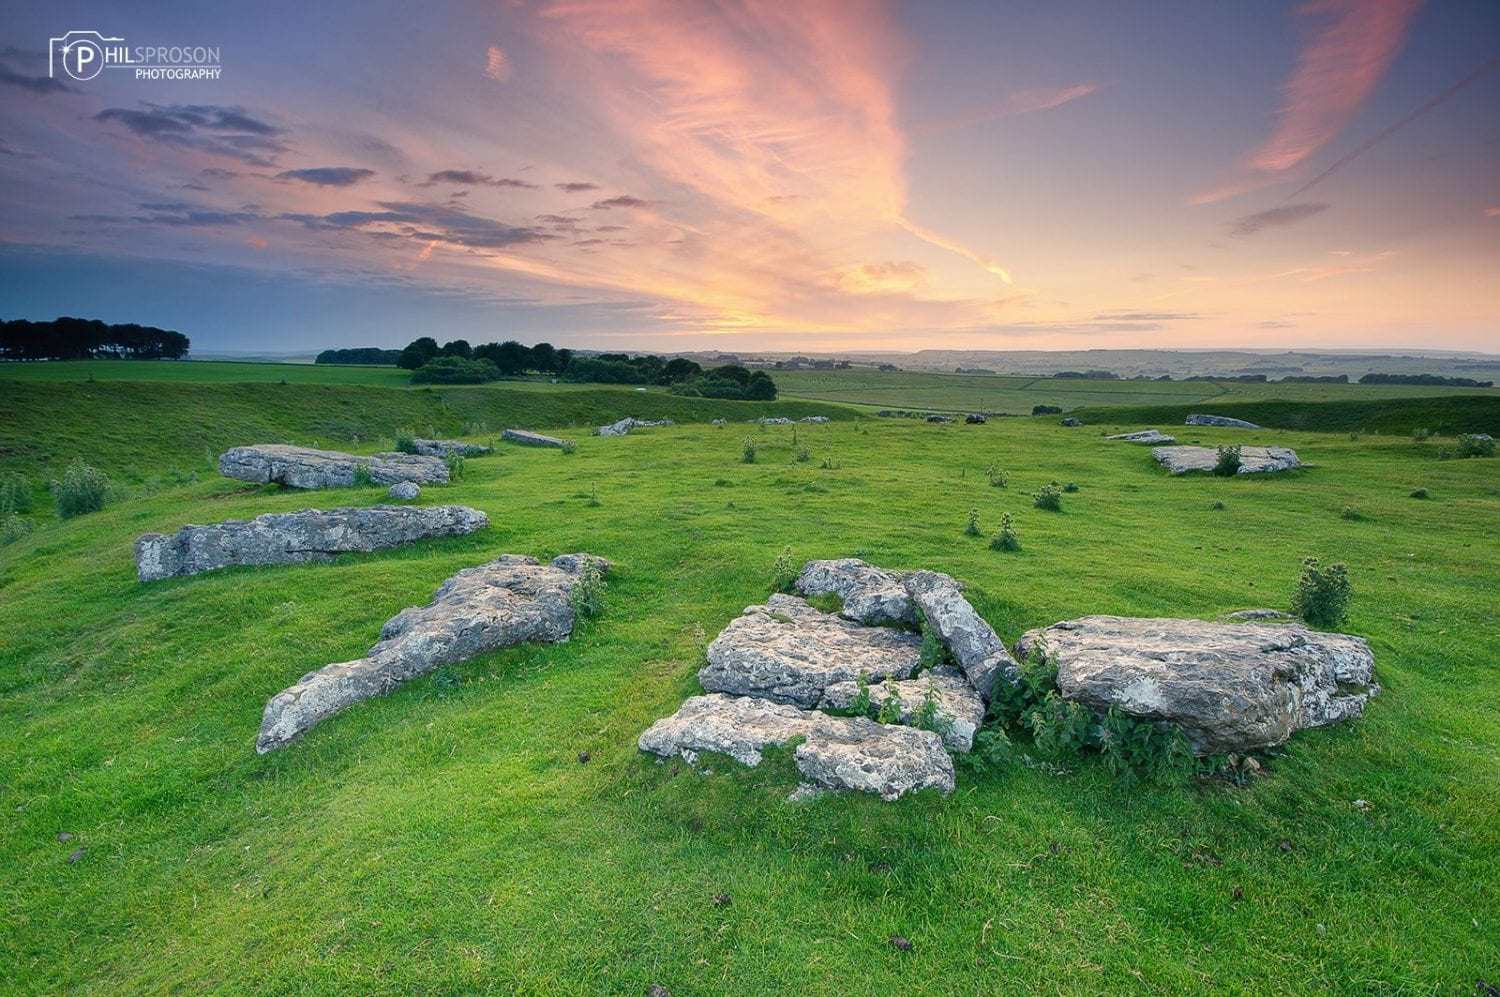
x,y
1446,415
203,371
1016,395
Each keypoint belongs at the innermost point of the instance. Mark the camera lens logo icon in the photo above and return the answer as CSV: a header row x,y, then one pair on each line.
x,y
81,54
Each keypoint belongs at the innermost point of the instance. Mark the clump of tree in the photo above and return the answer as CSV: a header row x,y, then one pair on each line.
x,y
730,381
1087,375
1316,379
88,339
455,370
369,355
1430,380
508,359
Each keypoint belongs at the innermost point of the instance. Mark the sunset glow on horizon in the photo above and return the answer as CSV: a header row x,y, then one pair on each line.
x,y
762,175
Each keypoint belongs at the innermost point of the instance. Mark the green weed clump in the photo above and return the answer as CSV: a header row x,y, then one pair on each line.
x,y
784,571
1476,445
15,494
455,462
1049,497
1228,464
1419,493
1351,513
1007,539
1061,730
587,596
971,528
362,477
1070,487
1323,594
13,528
998,477
747,451
83,489
406,442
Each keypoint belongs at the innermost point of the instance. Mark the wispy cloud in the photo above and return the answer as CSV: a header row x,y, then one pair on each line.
x,y
497,65
1020,102
230,132
1147,316
623,201
1349,46
1287,214
35,84
576,187
471,178
328,176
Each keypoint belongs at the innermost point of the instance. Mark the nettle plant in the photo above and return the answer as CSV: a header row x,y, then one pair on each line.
x,y
1060,730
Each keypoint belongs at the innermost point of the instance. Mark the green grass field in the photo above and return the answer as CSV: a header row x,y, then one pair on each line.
x,y
447,838
1017,395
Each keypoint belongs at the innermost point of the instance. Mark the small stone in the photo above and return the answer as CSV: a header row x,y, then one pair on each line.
x,y
78,854
583,757
405,491
1321,929
1237,893
448,448
722,900
530,439
63,836
901,942
1154,437
1285,845
657,990
1363,806
1071,422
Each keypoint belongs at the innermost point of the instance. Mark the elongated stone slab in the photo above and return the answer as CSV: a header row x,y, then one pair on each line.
x,y
837,753
974,644
1231,687
790,652
304,467
448,448
297,537
529,439
1218,420
1152,436
1253,460
510,600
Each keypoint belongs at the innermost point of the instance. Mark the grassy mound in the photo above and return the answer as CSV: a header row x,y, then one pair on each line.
x,y
1448,415
130,427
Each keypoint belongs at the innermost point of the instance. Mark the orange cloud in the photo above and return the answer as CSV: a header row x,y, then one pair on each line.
x,y
497,65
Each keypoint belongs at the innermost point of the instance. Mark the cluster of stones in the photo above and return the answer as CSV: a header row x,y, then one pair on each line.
x,y
304,467
628,423
773,672
1155,437
297,537
529,439
507,601
781,420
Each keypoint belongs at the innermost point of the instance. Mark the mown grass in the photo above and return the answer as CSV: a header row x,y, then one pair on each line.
x,y
206,372
1448,415
139,430
1017,395
447,838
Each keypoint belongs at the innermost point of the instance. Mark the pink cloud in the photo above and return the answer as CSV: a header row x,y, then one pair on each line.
x,y
497,65
1347,53
1020,102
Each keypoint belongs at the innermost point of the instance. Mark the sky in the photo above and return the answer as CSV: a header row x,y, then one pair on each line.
x,y
761,175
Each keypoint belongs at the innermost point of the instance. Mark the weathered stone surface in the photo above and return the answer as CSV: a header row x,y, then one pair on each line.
x,y
507,601
1153,436
974,644
530,439
404,491
1232,687
957,707
1071,422
837,753
814,419
448,448
628,423
939,418
1253,460
773,420
871,595
790,652
975,419
1219,420
304,467
297,537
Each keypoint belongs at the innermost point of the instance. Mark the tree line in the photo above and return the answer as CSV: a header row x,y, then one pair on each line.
x,y
67,338
457,362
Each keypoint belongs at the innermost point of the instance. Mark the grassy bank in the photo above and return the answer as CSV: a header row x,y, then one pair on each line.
x,y
447,837
1448,415
137,429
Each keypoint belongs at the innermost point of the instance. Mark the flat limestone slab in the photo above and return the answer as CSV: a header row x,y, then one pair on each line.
x,y
789,652
448,448
974,644
871,595
1253,460
507,601
628,423
530,439
304,467
1232,687
837,753
1219,420
957,706
1152,436
297,537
